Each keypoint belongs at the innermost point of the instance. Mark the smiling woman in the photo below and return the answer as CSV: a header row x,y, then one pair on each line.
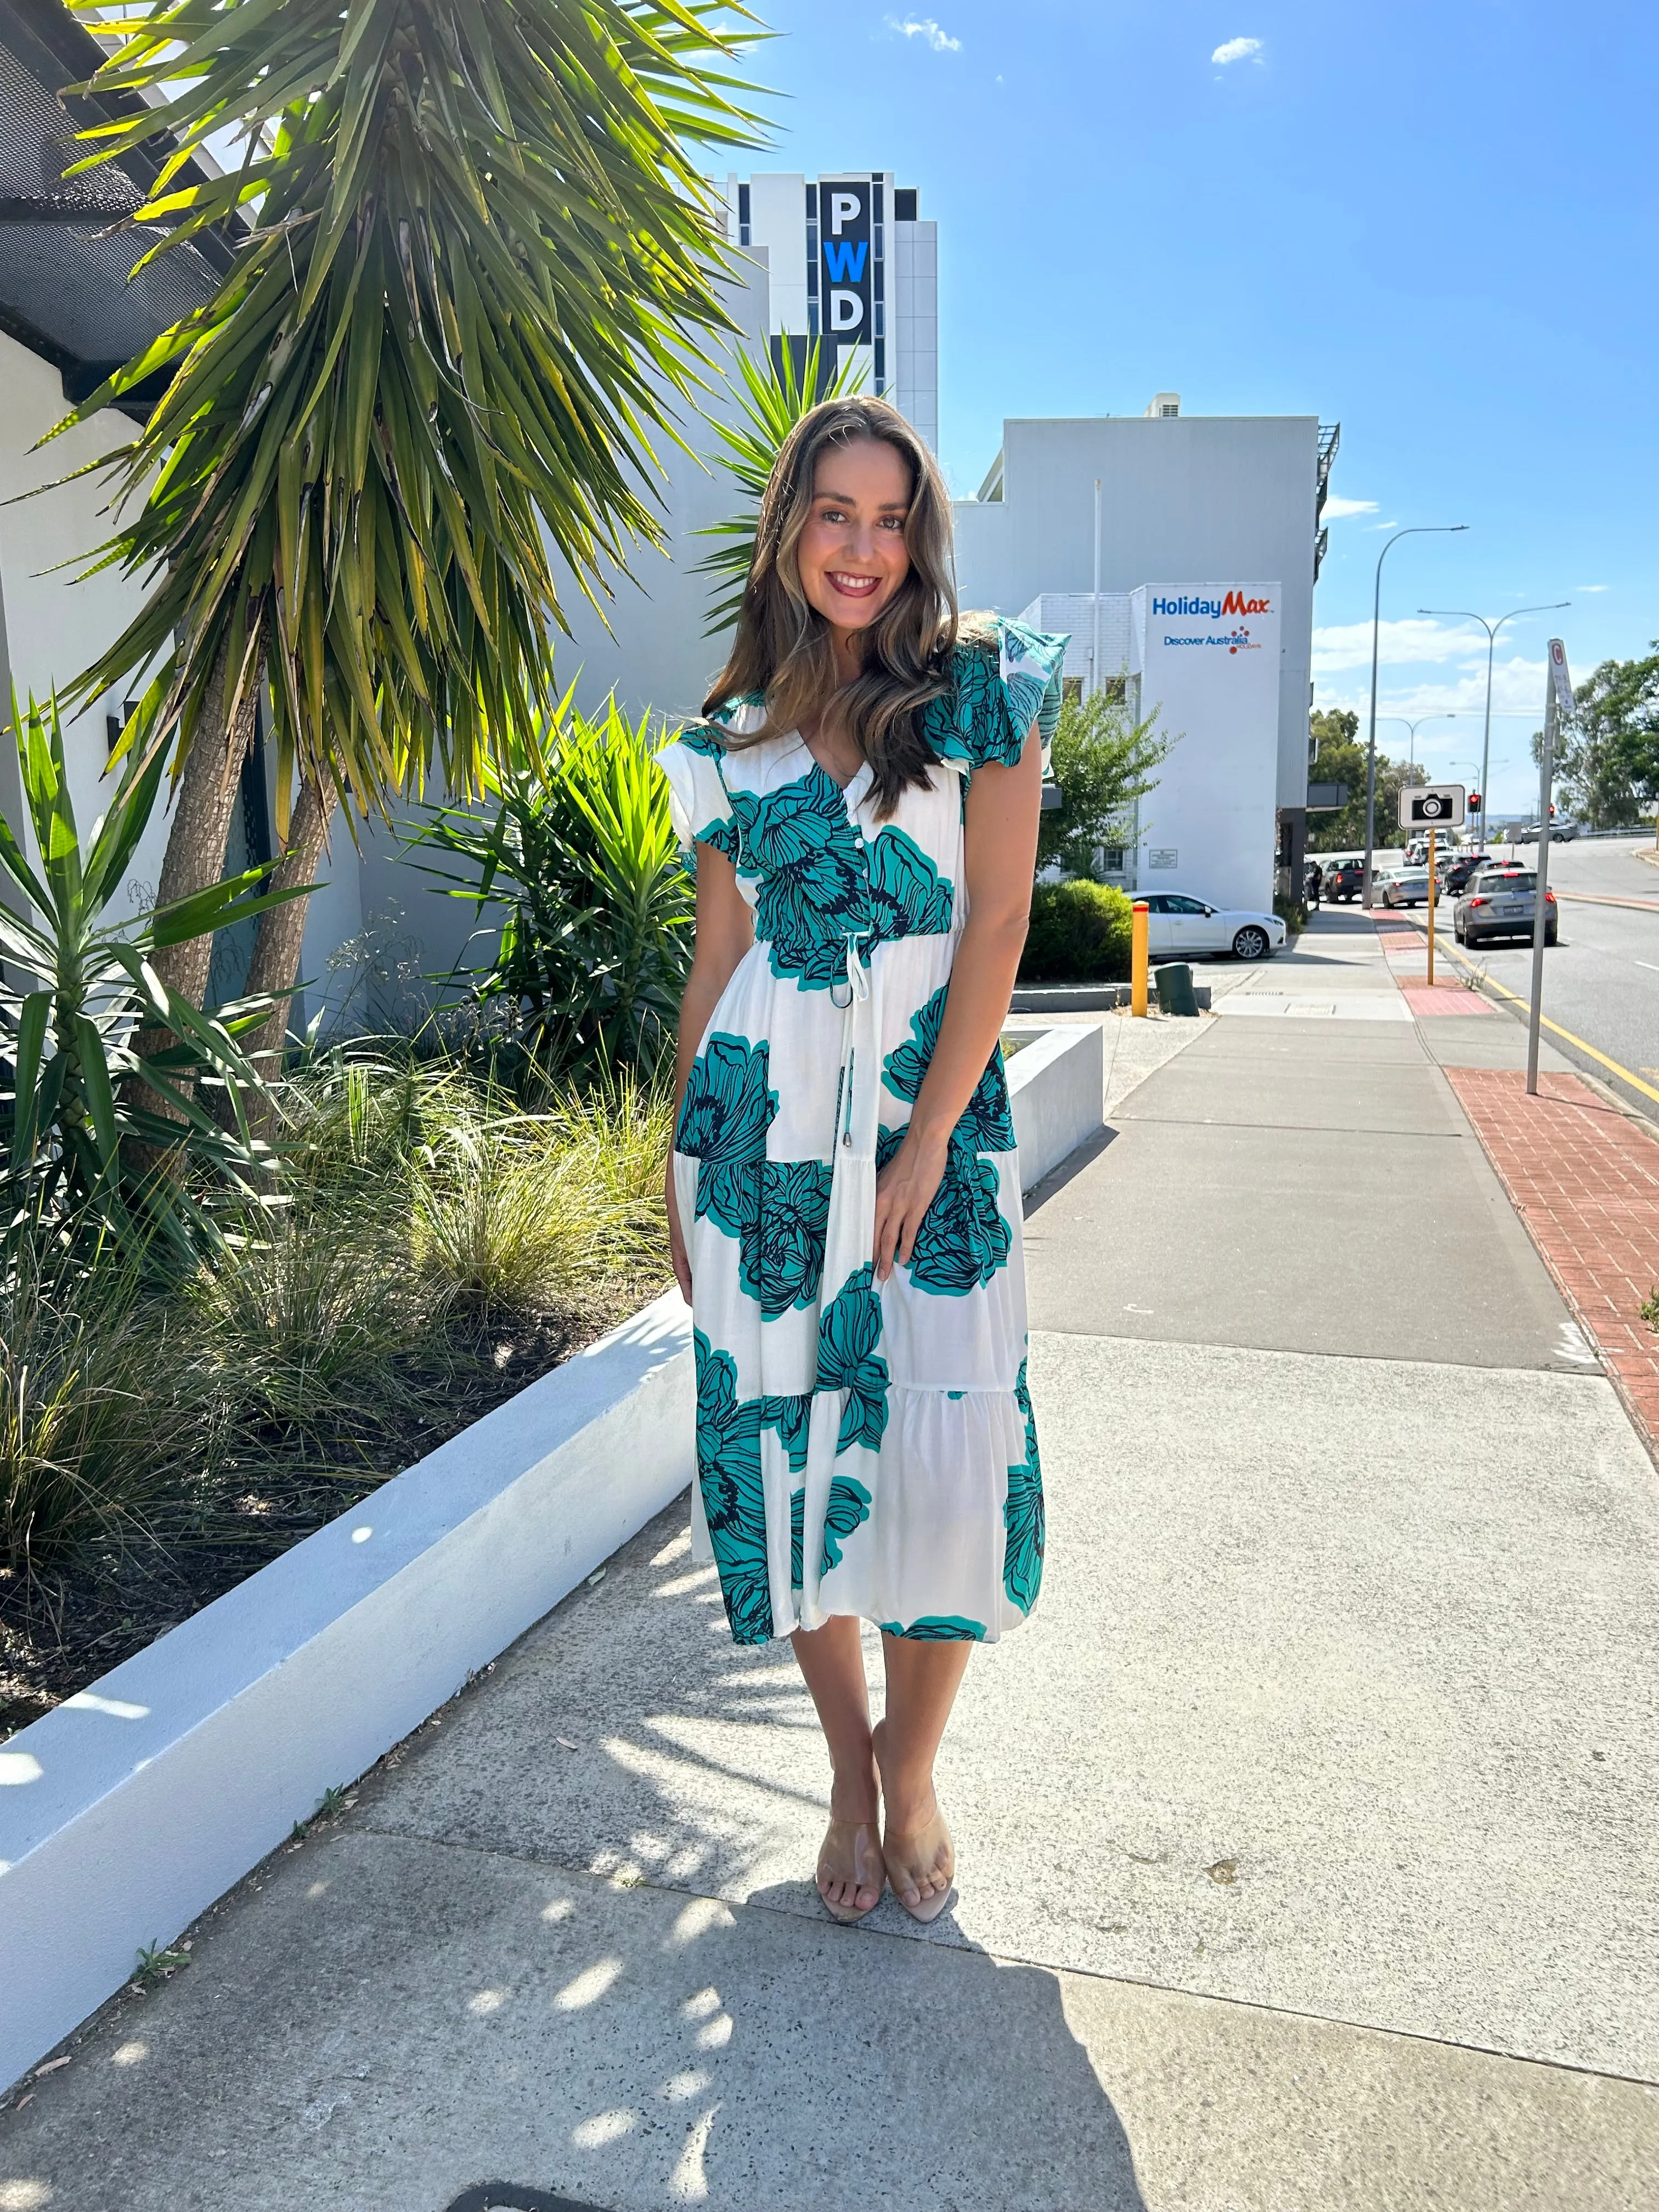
x,y
862,799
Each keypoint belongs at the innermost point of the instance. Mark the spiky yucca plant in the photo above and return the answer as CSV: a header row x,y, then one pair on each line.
x,y
474,259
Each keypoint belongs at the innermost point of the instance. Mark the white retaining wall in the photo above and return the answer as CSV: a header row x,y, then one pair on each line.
x,y
127,1810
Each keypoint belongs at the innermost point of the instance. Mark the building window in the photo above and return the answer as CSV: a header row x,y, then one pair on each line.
x,y
877,193
880,244
881,320
811,203
811,319
881,364
904,206
743,214
1070,687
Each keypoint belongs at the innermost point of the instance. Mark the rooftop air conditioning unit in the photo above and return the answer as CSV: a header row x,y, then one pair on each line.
x,y
1165,404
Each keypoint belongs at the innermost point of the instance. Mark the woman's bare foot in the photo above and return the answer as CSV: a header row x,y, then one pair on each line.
x,y
916,1845
851,1872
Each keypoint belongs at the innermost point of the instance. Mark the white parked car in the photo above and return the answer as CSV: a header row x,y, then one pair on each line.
x,y
1561,833
1406,887
1177,925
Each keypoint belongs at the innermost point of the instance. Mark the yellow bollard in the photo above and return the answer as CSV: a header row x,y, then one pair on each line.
x,y
1138,961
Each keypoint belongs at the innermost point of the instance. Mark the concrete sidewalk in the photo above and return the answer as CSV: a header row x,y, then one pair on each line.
x,y
1306,1856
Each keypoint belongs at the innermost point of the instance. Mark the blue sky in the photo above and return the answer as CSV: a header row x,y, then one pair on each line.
x,y
1433,223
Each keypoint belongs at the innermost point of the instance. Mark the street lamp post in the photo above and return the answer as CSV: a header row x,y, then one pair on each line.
x,y
1440,715
1417,530
1491,629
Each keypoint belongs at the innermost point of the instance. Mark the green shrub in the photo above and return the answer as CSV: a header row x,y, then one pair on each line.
x,y
596,937
1080,934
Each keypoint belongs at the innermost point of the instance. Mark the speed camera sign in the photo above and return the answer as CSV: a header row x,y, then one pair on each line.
x,y
1431,806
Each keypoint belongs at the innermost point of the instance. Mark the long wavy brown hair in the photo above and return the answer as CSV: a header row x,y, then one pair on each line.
x,y
783,647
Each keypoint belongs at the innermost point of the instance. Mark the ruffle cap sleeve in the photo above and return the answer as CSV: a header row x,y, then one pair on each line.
x,y
990,706
697,796
1031,663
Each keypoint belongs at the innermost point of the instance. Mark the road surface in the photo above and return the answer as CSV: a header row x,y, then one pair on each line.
x,y
1601,980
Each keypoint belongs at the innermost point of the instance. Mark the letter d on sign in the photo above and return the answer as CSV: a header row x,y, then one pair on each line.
x,y
846,311
843,208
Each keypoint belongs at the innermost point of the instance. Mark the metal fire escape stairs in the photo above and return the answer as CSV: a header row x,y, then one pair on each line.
x,y
1330,437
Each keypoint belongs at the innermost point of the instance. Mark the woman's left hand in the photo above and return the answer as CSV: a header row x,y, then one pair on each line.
x,y
904,1191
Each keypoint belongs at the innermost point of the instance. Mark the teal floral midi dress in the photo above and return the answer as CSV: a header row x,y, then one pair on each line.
x,y
863,1448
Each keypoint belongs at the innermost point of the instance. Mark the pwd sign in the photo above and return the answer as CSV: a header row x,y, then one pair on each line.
x,y
1431,806
845,247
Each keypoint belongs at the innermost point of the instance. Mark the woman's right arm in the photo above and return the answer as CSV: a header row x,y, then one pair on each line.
x,y
726,931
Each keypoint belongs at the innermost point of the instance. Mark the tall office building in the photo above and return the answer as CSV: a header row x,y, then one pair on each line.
x,y
851,263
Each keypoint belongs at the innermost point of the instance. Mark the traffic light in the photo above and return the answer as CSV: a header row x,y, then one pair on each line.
x,y
1474,802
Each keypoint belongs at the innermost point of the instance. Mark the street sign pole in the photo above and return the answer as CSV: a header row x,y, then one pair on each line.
x,y
1431,905
1559,695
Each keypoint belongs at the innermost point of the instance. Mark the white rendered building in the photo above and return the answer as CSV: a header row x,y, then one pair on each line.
x,y
1094,525
850,261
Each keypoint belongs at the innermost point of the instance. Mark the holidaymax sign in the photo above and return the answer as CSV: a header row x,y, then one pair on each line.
x,y
1232,608
845,280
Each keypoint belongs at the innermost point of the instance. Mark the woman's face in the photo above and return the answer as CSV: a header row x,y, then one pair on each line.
x,y
852,554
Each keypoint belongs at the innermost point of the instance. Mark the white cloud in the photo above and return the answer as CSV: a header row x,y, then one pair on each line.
x,y
925,29
1518,699
1337,510
1238,50
1413,639
1589,587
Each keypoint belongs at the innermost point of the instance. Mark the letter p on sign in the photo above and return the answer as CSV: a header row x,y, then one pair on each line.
x,y
843,210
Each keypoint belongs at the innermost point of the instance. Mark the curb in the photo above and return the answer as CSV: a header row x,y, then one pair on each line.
x,y
1084,998
138,1802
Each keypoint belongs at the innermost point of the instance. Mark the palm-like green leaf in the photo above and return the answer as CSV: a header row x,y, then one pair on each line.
x,y
774,398
596,938
86,1117
477,262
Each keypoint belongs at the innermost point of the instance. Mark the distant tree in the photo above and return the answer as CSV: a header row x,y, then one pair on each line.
x,y
1606,758
1342,759
1103,761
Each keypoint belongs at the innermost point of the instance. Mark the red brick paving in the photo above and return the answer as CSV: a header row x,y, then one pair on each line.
x,y
1584,1178
1446,998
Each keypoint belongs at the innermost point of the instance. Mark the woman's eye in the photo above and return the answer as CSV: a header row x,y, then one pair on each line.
x,y
832,514
893,522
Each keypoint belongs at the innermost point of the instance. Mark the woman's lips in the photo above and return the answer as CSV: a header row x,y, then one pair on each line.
x,y
853,588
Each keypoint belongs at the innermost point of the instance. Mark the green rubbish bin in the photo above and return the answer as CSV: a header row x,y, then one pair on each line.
x,y
1175,989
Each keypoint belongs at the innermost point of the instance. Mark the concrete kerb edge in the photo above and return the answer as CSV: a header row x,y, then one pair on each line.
x,y
1056,1089
137,1804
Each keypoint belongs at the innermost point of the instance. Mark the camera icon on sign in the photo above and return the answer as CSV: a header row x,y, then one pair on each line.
x,y
1432,807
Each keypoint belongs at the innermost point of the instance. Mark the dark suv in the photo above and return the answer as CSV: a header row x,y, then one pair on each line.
x,y
1457,876
1347,882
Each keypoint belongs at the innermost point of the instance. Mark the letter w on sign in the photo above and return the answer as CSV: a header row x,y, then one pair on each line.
x,y
844,260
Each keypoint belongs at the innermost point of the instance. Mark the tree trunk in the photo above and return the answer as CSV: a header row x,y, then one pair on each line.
x,y
282,929
195,856
194,860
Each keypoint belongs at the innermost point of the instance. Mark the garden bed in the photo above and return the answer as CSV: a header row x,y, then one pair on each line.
x,y
62,1630
445,1250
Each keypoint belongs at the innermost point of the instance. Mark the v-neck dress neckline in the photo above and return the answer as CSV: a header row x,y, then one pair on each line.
x,y
862,1448
857,785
